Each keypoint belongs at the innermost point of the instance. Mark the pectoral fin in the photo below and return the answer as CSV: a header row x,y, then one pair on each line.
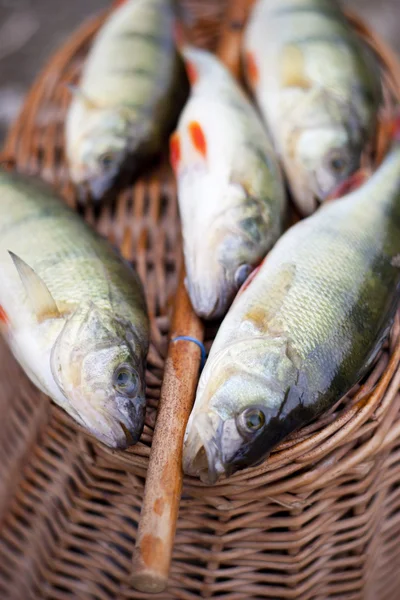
x,y
43,303
264,319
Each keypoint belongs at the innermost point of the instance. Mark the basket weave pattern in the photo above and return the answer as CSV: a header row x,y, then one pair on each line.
x,y
320,519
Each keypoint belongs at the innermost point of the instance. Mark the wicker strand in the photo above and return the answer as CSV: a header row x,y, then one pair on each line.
x,y
319,520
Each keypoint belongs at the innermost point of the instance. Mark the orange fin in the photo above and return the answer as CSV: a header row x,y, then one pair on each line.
x,y
118,3
198,138
351,184
252,69
175,150
3,316
388,132
395,129
293,69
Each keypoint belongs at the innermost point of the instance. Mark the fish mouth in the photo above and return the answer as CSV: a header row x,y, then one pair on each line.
x,y
101,185
118,429
202,453
209,302
97,186
114,433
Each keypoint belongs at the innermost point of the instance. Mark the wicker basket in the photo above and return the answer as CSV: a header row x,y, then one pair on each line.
x,y
320,519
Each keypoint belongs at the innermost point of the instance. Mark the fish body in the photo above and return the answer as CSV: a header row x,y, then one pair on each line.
x,y
72,311
131,91
318,88
303,332
230,189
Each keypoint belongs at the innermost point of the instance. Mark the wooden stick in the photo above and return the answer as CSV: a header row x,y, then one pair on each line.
x,y
155,537
158,518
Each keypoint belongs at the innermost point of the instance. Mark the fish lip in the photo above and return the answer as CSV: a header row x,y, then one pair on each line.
x,y
121,437
131,425
101,186
202,454
208,306
131,438
96,186
117,429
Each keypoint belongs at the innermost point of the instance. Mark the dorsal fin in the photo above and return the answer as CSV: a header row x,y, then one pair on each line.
x,y
43,303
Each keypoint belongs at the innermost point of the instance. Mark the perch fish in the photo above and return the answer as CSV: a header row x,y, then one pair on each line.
x,y
303,331
318,88
230,189
131,92
72,311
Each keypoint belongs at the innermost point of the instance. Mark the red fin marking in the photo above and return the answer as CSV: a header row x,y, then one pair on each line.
x,y
252,68
118,3
3,316
351,184
395,129
175,150
192,72
198,138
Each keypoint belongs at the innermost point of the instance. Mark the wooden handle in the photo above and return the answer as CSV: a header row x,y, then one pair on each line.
x,y
155,537
158,518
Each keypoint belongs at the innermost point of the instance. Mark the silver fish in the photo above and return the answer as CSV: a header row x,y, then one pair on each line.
x,y
318,88
230,188
73,312
132,89
303,332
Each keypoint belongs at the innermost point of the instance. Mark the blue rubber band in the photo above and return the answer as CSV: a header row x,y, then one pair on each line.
x,y
188,338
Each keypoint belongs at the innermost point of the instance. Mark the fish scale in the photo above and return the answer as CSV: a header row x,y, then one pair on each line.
x,y
318,88
131,90
230,190
68,302
75,270
114,47
304,331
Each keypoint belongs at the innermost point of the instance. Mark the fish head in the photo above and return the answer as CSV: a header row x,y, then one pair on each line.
x,y
224,249
101,152
247,401
212,286
323,158
97,363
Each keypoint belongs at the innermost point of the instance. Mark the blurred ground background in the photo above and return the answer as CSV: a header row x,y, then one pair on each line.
x,y
30,30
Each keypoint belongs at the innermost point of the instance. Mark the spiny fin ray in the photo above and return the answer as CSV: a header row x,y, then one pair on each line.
x,y
43,303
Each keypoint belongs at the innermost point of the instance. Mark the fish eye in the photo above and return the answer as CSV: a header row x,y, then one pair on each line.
x,y
242,274
125,380
251,420
337,164
106,160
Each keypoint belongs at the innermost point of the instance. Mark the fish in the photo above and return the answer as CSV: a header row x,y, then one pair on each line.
x,y
131,91
318,87
72,311
303,331
230,188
